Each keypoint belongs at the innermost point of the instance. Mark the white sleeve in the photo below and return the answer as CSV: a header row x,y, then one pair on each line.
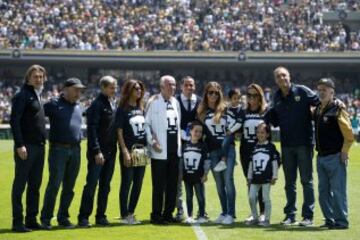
x,y
275,168
148,122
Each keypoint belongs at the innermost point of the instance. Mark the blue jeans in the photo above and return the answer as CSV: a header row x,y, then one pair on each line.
x,y
64,164
226,144
332,189
200,195
225,180
295,158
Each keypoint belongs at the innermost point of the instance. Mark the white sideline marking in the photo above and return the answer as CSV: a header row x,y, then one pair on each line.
x,y
200,234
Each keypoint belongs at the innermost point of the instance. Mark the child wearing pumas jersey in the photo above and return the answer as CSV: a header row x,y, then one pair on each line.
x,y
262,173
196,166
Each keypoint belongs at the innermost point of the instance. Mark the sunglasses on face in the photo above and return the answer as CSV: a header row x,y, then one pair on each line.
x,y
138,88
210,93
252,95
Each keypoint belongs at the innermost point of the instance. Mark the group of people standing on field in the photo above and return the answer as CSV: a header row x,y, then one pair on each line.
x,y
185,136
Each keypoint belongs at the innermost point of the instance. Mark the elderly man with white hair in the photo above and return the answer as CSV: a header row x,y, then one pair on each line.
x,y
162,125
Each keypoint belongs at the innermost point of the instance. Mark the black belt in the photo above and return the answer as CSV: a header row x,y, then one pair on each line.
x,y
65,145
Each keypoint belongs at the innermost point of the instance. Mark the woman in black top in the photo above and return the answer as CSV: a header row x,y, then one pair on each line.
x,y
130,128
212,113
251,117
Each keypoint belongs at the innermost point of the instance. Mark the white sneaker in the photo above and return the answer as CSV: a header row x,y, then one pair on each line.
x,y
306,222
219,219
249,218
202,220
220,166
190,220
262,218
131,220
228,220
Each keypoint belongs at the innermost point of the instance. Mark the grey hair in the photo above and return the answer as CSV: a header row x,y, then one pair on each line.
x,y
165,78
106,81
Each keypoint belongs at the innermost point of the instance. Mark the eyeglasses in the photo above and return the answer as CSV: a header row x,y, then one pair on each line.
x,y
252,95
213,93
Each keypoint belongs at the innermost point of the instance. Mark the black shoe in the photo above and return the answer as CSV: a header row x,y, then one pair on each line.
x,y
33,226
171,219
66,224
20,229
179,217
102,222
46,225
338,227
158,221
328,224
84,223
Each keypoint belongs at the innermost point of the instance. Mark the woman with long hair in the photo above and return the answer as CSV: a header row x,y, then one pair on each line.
x,y
212,113
252,116
130,122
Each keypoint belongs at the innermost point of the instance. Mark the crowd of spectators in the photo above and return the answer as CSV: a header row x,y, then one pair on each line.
x,y
193,25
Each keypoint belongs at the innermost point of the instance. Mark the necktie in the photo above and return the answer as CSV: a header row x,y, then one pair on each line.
x,y
189,105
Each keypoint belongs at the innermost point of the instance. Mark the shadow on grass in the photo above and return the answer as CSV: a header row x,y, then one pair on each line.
x,y
271,228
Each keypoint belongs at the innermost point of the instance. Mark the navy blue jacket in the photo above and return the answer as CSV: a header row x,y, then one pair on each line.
x,y
65,121
292,114
27,118
101,130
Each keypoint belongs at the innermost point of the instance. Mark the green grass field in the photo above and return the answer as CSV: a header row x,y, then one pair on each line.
x,y
181,231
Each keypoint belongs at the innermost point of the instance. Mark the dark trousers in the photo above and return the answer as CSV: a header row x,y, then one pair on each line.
x,y
200,195
245,158
101,174
64,163
131,182
28,172
164,174
295,158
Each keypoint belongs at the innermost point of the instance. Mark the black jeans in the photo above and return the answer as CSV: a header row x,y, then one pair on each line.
x,y
101,174
28,172
164,174
131,177
200,195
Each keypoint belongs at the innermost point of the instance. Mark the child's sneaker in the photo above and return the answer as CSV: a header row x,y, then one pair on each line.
x,y
265,223
251,221
220,166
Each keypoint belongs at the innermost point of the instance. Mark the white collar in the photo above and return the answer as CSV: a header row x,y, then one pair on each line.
x,y
192,98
